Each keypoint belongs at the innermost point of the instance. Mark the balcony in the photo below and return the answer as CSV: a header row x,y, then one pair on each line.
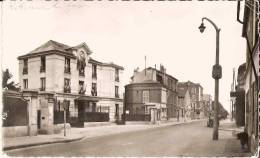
x,y
117,79
67,89
94,75
25,70
82,90
42,68
81,73
67,70
94,92
42,89
116,95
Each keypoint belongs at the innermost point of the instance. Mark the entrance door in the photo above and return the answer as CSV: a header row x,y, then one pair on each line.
x,y
81,112
38,119
117,111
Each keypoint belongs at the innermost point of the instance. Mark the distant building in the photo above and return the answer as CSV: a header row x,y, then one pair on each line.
x,y
196,95
54,75
206,104
184,104
152,89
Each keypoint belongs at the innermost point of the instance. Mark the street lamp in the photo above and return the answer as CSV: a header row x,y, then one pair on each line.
x,y
216,74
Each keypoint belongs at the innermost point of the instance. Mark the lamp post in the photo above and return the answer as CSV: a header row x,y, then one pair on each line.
x,y
216,74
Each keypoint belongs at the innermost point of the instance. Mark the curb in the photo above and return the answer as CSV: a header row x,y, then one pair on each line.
x,y
83,137
41,143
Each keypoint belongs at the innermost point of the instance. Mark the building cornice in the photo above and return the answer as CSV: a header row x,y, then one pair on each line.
x,y
59,52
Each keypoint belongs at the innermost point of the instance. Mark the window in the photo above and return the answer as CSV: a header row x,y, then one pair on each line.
x,y
94,71
67,88
116,91
25,83
94,89
25,66
43,84
67,65
43,61
82,89
145,96
117,75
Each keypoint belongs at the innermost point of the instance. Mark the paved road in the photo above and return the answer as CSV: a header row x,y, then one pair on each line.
x,y
193,139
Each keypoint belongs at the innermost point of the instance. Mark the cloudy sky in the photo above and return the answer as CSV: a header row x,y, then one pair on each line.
x,y
124,32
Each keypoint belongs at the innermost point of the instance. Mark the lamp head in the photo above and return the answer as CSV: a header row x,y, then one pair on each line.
x,y
202,27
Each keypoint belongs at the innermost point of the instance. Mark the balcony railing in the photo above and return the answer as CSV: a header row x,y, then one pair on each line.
x,y
117,79
67,70
42,89
116,95
94,75
25,70
82,91
42,68
67,89
81,73
93,92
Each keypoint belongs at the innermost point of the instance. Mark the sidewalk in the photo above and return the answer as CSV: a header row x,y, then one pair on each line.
x,y
232,144
75,134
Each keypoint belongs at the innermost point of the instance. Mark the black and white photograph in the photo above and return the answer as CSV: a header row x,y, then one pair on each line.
x,y
130,78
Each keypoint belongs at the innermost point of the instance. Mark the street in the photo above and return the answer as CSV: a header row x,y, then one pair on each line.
x,y
192,139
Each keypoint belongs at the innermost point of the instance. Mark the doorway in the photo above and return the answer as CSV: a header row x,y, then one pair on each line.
x,y
38,119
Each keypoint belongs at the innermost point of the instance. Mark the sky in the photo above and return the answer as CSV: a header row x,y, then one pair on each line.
x,y
125,32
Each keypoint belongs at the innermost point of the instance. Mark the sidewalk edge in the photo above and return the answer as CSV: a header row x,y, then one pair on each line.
x,y
41,143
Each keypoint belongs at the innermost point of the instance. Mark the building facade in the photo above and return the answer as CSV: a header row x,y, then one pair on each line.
x,y
250,30
73,79
152,88
196,95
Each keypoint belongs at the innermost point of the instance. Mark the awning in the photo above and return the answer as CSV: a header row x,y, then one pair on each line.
x,y
87,98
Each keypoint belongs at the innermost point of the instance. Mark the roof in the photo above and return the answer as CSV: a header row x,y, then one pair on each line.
x,y
198,84
56,46
144,82
91,60
162,73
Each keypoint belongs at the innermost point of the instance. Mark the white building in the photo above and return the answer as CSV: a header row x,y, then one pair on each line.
x,y
70,75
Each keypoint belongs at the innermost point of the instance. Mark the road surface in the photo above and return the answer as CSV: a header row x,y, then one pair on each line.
x,y
192,139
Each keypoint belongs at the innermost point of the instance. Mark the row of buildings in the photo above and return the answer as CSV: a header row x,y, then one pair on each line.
x,y
246,92
57,79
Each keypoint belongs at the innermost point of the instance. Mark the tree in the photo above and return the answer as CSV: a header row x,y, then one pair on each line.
x,y
6,75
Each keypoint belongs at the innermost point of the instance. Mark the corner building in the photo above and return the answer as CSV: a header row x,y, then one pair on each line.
x,y
91,90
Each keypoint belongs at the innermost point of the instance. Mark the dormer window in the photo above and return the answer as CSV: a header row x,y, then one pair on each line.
x,y
25,66
81,64
43,62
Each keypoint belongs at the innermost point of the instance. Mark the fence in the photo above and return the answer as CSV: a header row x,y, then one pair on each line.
x,y
137,117
14,112
96,117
